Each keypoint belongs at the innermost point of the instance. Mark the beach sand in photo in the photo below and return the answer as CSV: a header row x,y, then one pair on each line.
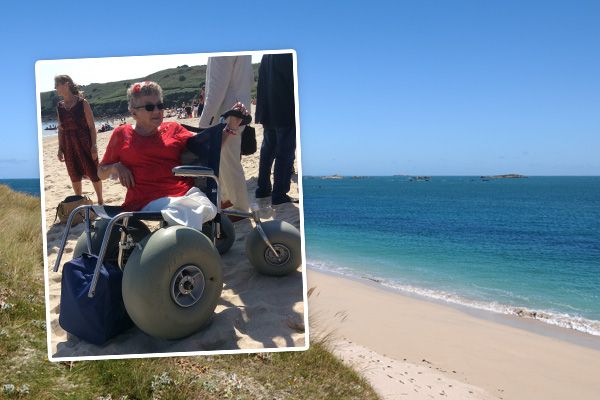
x,y
255,312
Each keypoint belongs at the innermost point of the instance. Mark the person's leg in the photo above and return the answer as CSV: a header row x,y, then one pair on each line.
x,y
77,187
98,189
284,164
267,155
158,204
231,174
192,209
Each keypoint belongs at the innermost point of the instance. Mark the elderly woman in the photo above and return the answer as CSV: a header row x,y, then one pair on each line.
x,y
143,155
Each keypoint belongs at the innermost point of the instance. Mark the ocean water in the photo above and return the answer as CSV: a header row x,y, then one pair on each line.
x,y
53,123
528,247
49,124
29,186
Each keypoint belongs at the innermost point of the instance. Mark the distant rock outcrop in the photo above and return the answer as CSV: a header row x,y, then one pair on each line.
x,y
506,176
419,178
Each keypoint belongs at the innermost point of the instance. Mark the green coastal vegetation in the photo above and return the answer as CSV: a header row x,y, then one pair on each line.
x,y
181,84
25,371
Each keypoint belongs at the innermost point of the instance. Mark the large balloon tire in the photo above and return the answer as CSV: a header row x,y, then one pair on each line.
x,y
285,238
139,232
228,231
151,276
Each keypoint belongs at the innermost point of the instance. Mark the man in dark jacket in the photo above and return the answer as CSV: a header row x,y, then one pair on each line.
x,y
275,110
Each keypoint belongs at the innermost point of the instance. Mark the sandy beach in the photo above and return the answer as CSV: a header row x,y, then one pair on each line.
x,y
255,312
410,348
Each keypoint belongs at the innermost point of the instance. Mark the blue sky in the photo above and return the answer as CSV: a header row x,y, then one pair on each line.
x,y
408,87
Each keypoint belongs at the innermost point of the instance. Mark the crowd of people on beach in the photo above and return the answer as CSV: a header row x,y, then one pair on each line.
x,y
142,155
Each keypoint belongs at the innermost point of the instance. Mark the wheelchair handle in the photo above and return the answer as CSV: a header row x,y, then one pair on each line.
x,y
103,248
68,229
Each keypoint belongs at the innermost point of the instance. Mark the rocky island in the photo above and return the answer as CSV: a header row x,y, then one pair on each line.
x,y
506,176
419,178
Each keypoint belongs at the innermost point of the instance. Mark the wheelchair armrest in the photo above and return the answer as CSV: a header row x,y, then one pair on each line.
x,y
193,171
148,215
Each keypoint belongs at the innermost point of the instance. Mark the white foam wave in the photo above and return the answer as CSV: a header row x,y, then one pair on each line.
x,y
563,320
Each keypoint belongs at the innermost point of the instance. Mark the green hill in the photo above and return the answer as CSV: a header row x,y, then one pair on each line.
x,y
181,84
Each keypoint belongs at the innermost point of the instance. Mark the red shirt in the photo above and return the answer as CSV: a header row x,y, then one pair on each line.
x,y
151,160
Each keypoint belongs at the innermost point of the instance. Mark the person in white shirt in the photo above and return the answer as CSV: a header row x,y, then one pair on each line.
x,y
228,81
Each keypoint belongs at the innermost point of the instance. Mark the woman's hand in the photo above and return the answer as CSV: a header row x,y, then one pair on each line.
x,y
233,123
125,175
122,172
60,155
94,151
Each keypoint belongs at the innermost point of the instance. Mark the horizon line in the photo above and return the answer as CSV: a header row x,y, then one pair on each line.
x,y
457,175
403,175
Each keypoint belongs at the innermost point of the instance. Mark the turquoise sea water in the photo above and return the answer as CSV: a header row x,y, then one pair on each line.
x,y
528,247
29,186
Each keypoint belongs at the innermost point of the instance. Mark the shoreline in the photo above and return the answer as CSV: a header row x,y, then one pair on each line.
x,y
506,361
53,133
532,325
536,319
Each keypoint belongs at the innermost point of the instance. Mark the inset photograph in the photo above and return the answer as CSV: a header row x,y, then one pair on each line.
x,y
172,205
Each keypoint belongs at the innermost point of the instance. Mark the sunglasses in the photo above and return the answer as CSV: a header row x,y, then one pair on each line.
x,y
150,107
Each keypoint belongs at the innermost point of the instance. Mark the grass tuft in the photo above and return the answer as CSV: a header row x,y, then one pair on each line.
x,y
25,371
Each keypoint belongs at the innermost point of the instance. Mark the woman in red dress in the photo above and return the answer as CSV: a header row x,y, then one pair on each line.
x,y
77,136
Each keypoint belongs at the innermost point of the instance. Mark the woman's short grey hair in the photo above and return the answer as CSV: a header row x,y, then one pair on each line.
x,y
139,89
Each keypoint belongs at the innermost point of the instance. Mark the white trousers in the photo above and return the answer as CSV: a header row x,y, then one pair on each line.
x,y
231,173
193,209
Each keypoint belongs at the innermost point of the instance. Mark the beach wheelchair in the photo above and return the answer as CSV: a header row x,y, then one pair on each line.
x,y
172,277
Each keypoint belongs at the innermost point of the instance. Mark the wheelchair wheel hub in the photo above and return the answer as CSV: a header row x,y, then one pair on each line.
x,y
282,256
187,285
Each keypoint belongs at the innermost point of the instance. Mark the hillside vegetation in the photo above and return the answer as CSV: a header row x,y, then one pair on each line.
x,y
26,373
181,84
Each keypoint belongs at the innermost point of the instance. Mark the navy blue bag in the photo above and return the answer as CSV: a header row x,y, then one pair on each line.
x,y
95,319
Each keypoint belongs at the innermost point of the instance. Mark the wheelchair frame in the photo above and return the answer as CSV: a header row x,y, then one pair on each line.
x,y
126,242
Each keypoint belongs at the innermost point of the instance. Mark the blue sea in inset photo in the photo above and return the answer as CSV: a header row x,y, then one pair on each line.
x,y
528,247
29,186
